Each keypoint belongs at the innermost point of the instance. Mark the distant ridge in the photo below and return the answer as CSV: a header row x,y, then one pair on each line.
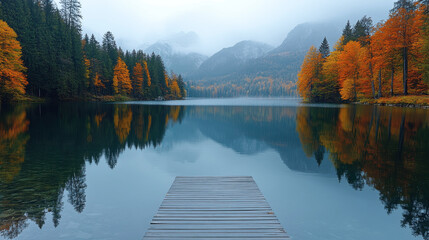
x,y
255,69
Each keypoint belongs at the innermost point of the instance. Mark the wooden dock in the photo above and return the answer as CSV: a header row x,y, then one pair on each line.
x,y
215,208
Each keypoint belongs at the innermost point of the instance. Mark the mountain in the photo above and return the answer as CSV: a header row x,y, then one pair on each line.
x,y
176,61
304,35
258,70
230,59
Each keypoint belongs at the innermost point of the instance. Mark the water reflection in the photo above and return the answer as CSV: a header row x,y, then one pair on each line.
x,y
36,171
44,148
384,148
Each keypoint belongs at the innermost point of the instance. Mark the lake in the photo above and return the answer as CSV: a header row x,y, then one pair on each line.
x,y
100,171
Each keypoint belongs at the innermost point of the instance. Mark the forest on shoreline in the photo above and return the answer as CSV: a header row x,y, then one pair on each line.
x,y
44,55
385,63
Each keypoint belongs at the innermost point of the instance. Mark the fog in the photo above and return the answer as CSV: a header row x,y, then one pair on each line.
x,y
217,23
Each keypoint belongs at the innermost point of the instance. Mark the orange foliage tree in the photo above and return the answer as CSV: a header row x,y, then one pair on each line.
x,y
146,79
138,80
397,48
385,55
98,84
310,73
405,31
122,76
424,46
350,64
12,77
174,87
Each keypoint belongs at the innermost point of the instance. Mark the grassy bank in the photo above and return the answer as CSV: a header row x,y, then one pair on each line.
x,y
403,101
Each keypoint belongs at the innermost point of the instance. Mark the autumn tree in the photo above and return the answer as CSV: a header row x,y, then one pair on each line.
x,y
349,62
137,80
122,76
385,54
115,85
12,77
330,73
310,74
406,34
98,84
424,43
174,87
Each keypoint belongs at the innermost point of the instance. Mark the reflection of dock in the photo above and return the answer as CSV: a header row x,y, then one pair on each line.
x,y
215,207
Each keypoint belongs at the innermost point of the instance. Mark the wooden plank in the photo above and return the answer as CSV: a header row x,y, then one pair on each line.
x,y
215,208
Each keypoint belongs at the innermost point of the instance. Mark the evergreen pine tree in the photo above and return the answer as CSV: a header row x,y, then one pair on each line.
x,y
70,11
362,30
347,33
324,48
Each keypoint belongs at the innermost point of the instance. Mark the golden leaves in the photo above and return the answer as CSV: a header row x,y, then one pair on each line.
x,y
12,78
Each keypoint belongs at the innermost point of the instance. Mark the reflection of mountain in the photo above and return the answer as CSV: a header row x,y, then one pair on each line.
x,y
250,130
384,148
44,149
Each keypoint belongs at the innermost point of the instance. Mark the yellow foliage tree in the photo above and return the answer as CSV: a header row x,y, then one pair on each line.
x,y
123,78
175,90
12,77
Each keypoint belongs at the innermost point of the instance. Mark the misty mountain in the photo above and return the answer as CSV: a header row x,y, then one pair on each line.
x,y
183,41
232,58
253,66
176,61
305,35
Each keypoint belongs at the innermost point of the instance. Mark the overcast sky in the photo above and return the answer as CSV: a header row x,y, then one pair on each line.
x,y
218,23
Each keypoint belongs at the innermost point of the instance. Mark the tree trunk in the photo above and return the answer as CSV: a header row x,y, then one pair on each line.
x,y
391,83
405,75
379,84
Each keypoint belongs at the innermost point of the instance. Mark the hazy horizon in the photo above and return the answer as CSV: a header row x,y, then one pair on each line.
x,y
217,24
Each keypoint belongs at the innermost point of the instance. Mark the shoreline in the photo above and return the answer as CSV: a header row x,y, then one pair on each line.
x,y
411,101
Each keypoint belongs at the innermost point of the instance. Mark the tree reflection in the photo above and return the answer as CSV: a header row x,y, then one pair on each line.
x,y
13,139
63,139
381,147
385,148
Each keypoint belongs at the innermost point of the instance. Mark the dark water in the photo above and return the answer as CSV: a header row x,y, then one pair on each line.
x,y
100,171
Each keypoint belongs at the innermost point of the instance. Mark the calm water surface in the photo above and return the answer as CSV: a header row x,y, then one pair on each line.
x,y
100,171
